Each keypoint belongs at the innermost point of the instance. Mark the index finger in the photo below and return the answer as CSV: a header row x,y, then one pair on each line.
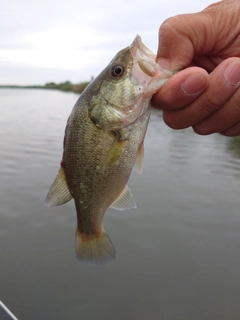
x,y
223,82
181,89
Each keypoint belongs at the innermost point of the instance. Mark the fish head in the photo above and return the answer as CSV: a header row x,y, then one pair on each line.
x,y
122,92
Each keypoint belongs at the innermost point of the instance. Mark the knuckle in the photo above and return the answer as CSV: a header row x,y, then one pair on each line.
x,y
209,105
202,129
233,131
174,121
235,102
169,26
165,26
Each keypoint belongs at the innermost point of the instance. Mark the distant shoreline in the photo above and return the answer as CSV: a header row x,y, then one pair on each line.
x,y
65,86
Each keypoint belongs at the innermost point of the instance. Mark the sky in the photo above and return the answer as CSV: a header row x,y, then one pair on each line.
x,y
72,40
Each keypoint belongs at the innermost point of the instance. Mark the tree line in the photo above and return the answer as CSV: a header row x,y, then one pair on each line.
x,y
66,86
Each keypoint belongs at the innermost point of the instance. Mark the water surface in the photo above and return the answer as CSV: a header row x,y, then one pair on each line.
x,y
178,253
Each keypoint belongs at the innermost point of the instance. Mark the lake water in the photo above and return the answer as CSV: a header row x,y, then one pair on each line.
x,y
178,253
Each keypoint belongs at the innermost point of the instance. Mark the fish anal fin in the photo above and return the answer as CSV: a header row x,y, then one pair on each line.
x,y
59,192
138,165
124,201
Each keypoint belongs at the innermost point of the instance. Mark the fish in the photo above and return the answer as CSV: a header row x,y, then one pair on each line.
x,y
104,140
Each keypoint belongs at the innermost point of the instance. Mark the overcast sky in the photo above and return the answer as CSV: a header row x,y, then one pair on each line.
x,y
53,40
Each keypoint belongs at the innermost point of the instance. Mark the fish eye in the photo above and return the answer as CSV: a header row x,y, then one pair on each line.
x,y
117,71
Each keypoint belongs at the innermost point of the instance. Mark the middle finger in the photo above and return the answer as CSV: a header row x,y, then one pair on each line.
x,y
223,83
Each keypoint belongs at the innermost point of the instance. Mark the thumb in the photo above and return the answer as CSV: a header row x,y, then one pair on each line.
x,y
180,38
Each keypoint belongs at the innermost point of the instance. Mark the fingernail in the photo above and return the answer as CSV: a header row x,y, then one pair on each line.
x,y
232,74
164,63
194,84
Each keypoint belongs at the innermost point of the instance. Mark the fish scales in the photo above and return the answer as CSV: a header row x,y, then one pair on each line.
x,y
103,141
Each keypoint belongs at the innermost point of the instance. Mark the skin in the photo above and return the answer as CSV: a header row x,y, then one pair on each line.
x,y
205,46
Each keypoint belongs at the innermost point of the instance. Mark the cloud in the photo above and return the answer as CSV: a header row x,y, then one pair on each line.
x,y
78,35
63,48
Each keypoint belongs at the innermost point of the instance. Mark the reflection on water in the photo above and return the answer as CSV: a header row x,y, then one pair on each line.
x,y
177,253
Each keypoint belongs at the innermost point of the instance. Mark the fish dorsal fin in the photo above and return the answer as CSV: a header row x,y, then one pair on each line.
x,y
59,192
124,201
138,165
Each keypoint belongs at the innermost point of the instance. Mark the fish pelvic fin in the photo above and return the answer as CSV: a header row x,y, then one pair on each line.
x,y
94,249
59,192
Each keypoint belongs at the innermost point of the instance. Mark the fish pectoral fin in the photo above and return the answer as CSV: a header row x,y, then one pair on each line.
x,y
124,201
138,165
59,192
115,150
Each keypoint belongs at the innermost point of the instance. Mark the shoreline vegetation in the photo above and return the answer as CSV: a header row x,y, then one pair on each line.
x,y
233,145
64,86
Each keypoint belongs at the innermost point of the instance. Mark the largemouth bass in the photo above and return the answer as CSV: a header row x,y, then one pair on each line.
x,y
103,141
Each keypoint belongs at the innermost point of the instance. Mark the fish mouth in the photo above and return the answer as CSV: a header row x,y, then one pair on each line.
x,y
139,45
144,57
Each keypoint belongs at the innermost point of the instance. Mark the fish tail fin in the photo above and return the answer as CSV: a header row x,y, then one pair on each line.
x,y
94,249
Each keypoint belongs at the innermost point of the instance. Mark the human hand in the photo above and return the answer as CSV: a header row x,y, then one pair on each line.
x,y
206,93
